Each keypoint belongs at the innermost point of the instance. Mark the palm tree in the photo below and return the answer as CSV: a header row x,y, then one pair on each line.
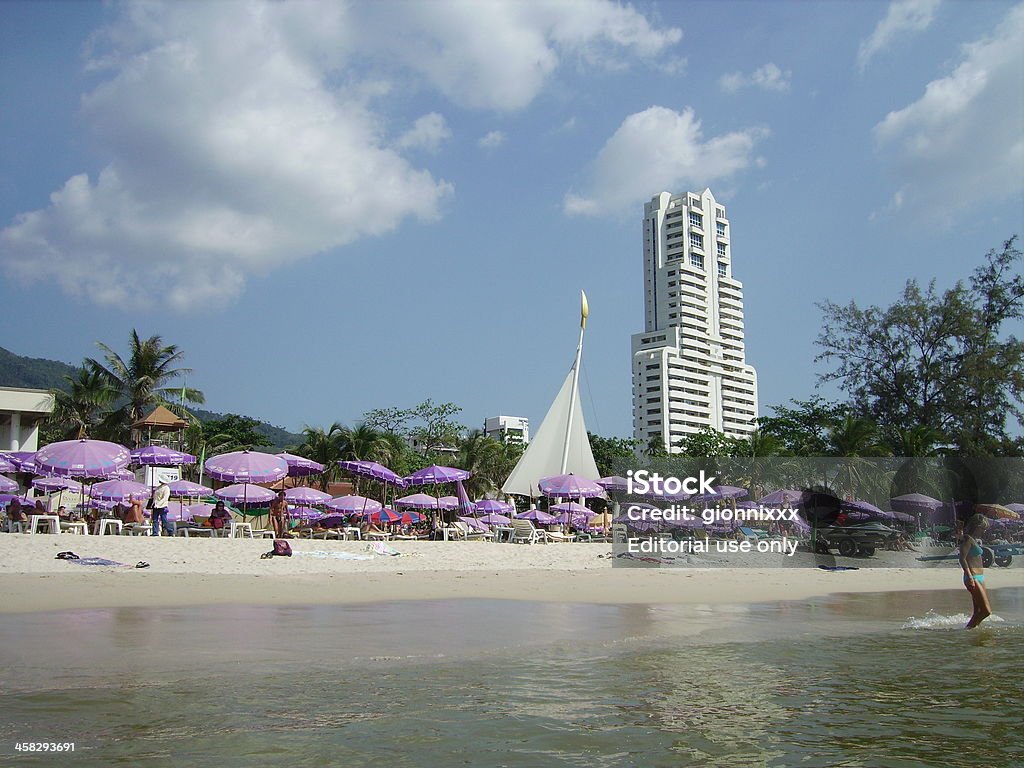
x,y
324,447
142,382
84,405
489,461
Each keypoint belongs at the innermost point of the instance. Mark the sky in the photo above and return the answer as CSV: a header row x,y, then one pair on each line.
x,y
332,207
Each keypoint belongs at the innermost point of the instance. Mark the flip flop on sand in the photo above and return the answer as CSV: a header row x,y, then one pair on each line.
x,y
66,556
142,564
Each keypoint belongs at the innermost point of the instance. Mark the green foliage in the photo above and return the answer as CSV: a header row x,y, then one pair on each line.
x,y
79,411
710,443
803,430
939,360
142,382
490,461
231,432
609,452
34,372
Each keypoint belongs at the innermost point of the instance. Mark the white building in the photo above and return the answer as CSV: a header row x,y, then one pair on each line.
x,y
689,365
508,429
21,413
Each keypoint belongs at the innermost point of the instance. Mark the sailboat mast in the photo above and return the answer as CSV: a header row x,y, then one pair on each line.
x,y
584,313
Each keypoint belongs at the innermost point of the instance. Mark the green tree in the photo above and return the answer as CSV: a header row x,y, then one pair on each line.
x,y
80,410
611,453
143,381
937,359
803,430
709,442
489,461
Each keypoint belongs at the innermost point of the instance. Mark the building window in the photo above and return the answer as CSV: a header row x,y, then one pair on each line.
x,y
721,228
695,202
720,213
721,249
696,241
723,269
696,220
696,261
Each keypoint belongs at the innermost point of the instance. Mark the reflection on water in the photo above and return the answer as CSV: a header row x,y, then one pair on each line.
x,y
836,681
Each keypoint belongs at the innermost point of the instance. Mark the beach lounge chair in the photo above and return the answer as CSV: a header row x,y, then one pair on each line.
x,y
468,532
557,536
523,532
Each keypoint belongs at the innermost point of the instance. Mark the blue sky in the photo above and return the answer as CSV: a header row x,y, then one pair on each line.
x,y
335,207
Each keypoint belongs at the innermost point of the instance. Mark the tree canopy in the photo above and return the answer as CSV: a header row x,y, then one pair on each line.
x,y
941,360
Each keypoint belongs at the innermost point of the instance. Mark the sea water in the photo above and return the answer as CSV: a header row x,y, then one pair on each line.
x,y
858,680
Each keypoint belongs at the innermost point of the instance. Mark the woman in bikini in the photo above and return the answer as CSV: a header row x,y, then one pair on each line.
x,y
974,570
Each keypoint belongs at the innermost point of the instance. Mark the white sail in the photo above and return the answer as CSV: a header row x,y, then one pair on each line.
x,y
543,456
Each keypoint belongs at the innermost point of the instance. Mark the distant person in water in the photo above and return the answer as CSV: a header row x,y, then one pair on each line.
x,y
974,570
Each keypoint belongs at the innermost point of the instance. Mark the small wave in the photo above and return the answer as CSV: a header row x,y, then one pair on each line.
x,y
933,620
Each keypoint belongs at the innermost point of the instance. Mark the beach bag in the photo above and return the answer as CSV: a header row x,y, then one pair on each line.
x,y
149,504
282,548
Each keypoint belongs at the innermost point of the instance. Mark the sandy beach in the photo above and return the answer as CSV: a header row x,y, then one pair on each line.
x,y
204,572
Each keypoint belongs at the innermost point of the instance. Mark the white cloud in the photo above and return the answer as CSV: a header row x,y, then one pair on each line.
x,y
428,132
961,143
239,137
767,78
658,150
902,16
497,54
492,140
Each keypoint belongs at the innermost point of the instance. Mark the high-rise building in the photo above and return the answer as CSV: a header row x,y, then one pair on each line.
x,y
508,429
689,365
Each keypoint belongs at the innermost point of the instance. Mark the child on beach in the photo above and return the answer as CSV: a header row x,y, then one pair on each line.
x,y
974,571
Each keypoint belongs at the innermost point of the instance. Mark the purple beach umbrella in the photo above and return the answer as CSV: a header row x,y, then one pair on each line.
x,y
914,502
81,458
494,518
246,495
7,485
372,470
487,506
783,498
348,505
183,489
55,484
434,475
23,461
570,486
246,467
118,490
537,515
159,456
419,501
613,483
450,502
306,497
474,523
6,465
300,466
574,508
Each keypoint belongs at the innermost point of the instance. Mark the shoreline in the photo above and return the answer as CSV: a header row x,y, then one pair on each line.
x,y
199,572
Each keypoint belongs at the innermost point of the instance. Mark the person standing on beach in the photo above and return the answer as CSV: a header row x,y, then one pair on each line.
x,y
279,515
974,570
161,498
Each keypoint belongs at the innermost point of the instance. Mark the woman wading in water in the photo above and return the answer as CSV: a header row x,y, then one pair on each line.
x,y
974,570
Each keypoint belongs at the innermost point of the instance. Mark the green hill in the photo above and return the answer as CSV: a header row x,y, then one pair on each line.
x,y
38,373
